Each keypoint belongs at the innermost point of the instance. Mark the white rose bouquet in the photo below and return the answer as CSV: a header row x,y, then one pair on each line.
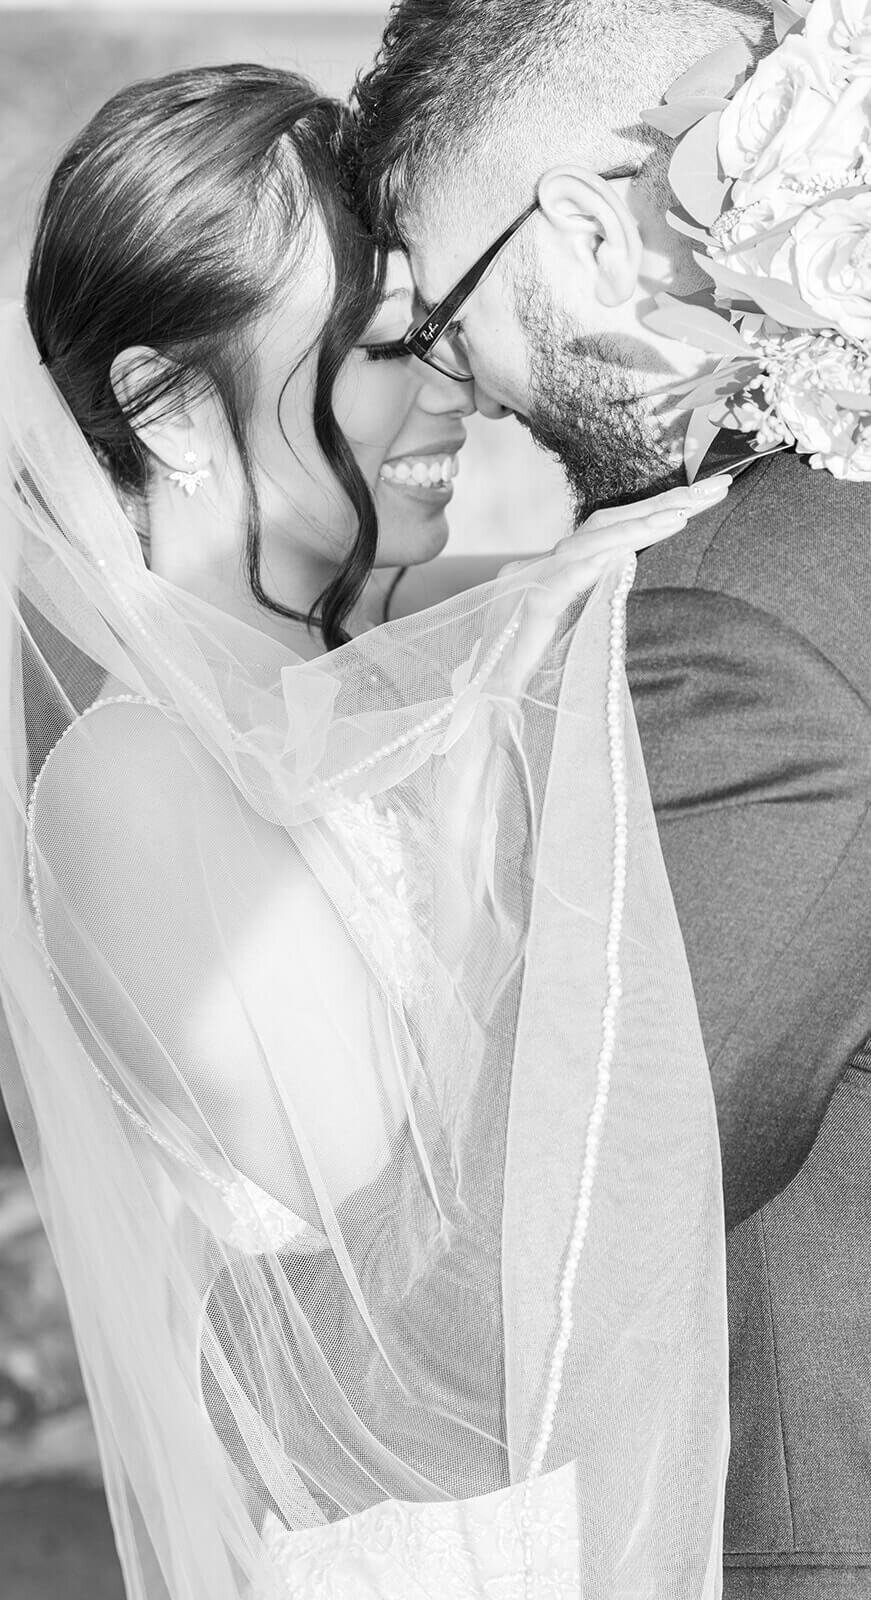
x,y
773,183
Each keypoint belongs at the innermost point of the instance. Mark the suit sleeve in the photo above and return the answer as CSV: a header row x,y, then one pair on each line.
x,y
758,753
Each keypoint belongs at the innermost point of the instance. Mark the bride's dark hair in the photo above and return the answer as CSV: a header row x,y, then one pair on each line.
x,y
172,221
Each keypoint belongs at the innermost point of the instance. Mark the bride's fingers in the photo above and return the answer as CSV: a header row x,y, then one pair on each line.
x,y
694,498
579,559
630,533
625,528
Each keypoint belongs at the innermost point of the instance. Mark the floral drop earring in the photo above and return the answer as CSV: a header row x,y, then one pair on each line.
x,y
191,480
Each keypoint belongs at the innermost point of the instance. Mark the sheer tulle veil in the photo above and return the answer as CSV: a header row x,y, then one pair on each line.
x,y
357,1072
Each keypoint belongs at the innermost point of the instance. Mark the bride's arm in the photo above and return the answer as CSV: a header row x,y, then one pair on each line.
x,y
189,938
429,584
407,590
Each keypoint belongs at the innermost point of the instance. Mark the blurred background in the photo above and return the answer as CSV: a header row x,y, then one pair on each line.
x,y
57,64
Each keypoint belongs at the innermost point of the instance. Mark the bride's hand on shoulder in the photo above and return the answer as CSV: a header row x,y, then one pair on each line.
x,y
551,583
578,561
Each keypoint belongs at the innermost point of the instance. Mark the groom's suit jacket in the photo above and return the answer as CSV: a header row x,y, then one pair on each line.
x,y
750,665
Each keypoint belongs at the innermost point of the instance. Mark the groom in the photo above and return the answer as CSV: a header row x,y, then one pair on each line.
x,y
750,665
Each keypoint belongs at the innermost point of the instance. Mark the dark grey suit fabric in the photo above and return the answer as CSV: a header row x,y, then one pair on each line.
x,y
750,666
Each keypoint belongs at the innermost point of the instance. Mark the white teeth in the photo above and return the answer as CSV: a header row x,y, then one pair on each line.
x,y
420,474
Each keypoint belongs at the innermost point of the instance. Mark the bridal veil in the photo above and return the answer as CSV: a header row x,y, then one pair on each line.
x,y
357,1073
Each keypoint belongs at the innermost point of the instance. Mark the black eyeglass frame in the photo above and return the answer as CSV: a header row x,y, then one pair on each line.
x,y
421,340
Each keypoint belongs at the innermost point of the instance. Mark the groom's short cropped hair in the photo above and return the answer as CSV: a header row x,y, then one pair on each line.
x,y
494,91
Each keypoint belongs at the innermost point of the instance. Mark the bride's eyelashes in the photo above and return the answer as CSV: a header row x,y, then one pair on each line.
x,y
395,350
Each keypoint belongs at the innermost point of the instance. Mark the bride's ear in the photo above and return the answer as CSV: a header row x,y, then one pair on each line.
x,y
597,230
171,425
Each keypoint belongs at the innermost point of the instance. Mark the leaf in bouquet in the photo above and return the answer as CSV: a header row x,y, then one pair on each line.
x,y
701,433
782,301
720,72
690,386
780,230
683,225
776,299
719,385
786,18
848,192
681,115
697,326
734,286
695,174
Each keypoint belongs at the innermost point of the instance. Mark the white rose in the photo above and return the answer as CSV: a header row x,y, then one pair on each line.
x,y
813,419
841,137
836,438
773,116
841,25
853,460
828,258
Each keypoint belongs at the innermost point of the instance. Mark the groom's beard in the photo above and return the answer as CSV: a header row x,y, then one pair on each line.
x,y
586,413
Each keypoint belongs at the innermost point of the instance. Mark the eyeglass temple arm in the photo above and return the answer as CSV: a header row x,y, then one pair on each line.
x,y
441,316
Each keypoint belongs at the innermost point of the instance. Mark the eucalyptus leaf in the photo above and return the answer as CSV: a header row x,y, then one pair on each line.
x,y
694,173
719,385
782,301
734,285
697,326
700,435
779,300
721,72
782,230
683,225
681,115
785,19
776,299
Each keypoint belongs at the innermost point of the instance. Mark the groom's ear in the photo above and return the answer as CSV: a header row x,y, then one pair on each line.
x,y
594,225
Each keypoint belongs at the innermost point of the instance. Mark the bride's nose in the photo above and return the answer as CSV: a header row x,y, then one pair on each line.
x,y
442,396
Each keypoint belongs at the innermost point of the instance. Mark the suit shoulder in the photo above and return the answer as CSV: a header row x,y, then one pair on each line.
x,y
781,514
792,543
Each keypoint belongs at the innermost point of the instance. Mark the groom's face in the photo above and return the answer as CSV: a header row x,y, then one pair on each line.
x,y
535,348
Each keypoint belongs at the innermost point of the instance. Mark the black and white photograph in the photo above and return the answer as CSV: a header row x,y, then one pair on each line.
x,y
435,800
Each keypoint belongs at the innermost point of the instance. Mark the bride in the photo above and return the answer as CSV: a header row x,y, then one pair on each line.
x,y
303,919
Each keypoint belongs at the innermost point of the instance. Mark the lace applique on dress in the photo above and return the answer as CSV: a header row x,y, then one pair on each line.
x,y
257,1221
516,1544
261,1223
381,914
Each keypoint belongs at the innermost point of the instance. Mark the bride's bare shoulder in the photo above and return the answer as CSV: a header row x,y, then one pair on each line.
x,y
124,758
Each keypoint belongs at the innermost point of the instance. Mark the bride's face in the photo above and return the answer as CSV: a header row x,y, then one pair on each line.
x,y
404,424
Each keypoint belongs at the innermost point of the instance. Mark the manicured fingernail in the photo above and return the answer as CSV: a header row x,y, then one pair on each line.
x,y
668,519
710,487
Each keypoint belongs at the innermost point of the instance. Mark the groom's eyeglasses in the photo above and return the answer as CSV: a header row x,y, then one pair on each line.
x,y
435,340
